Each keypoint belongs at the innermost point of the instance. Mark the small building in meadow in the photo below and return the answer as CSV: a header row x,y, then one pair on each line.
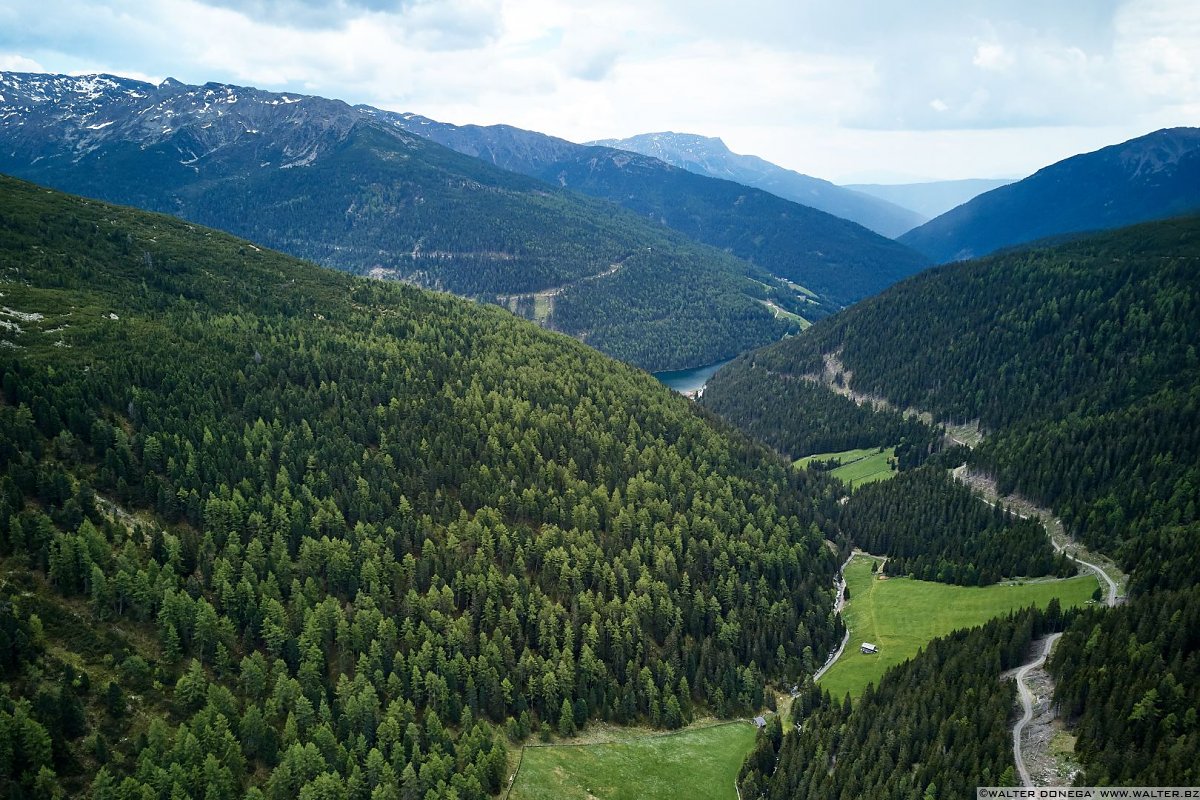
x,y
760,722
869,648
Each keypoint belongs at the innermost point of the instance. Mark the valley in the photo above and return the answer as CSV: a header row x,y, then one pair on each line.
x,y
991,345
689,382
349,454
902,615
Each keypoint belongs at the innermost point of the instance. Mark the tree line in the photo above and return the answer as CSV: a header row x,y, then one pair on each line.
x,y
935,726
374,532
933,528
1080,361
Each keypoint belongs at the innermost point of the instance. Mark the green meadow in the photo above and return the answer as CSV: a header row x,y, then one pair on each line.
x,y
699,763
860,466
900,615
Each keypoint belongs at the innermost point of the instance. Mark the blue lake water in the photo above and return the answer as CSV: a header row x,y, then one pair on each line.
x,y
690,381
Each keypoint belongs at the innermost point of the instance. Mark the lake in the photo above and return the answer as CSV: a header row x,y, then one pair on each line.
x,y
690,381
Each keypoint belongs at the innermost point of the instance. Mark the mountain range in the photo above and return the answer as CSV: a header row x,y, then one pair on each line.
x,y
1151,177
930,198
271,530
837,260
705,155
352,188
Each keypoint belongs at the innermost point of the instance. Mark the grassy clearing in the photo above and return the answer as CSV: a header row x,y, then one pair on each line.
x,y
900,615
543,307
1062,745
864,465
697,763
969,433
783,313
797,287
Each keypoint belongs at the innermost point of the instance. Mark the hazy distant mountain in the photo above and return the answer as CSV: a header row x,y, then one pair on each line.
x,y
515,149
1151,177
929,199
709,156
343,187
840,261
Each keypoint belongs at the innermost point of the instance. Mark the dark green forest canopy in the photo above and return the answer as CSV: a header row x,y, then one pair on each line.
x,y
373,524
1130,680
1084,327
933,528
936,726
1080,361
801,418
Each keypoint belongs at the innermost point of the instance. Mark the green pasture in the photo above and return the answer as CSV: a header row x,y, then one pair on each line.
x,y
864,465
901,614
699,763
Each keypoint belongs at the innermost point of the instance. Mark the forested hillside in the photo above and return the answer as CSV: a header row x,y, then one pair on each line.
x,y
1080,361
1155,176
803,418
268,530
324,181
935,529
804,242
1130,677
935,727
838,260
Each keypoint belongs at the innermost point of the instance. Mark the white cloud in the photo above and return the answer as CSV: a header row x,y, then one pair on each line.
x,y
11,62
992,56
807,84
1158,50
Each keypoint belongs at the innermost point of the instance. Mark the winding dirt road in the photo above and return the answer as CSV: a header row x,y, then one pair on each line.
x,y
1055,530
837,609
1110,599
1059,540
1027,704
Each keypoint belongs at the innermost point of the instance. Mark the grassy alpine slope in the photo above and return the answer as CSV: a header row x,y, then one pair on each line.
x,y
332,536
858,466
903,615
697,763
934,726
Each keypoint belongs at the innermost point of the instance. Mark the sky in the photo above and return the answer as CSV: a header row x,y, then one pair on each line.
x,y
852,91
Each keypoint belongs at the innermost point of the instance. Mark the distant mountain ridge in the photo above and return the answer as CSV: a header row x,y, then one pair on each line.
x,y
838,260
348,188
930,198
1151,177
706,155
